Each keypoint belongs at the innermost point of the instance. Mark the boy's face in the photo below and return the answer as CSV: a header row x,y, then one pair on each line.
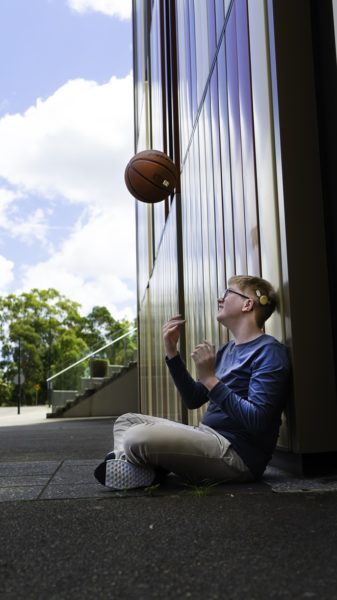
x,y
231,304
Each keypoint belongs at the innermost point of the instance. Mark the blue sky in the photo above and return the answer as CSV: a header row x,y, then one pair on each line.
x,y
66,134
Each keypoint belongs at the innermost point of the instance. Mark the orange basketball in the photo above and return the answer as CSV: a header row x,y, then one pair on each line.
x,y
151,176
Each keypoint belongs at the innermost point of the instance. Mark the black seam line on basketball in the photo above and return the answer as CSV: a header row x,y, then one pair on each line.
x,y
169,162
139,197
150,181
173,175
168,166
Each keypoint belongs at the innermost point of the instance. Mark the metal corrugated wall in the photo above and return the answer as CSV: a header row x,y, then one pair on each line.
x,y
228,201
230,215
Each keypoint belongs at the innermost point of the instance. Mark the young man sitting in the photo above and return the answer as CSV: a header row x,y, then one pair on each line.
x,y
245,385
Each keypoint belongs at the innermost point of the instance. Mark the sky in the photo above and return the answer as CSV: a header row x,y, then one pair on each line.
x,y
67,220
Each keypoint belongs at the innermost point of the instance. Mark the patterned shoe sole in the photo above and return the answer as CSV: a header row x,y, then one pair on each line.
x,y
122,475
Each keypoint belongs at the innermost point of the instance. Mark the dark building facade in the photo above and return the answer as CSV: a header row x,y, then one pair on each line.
x,y
242,94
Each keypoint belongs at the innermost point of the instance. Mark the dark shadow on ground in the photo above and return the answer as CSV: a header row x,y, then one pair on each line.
x,y
61,440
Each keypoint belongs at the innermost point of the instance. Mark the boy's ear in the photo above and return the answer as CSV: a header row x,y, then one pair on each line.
x,y
248,305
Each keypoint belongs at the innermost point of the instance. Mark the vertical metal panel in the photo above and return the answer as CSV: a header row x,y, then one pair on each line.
x,y
201,46
193,266
193,57
157,95
144,211
139,61
145,355
197,249
164,294
219,17
158,394
186,193
143,243
235,145
156,81
225,165
265,154
247,139
212,329
212,35
218,194
185,77
227,4
203,240
334,6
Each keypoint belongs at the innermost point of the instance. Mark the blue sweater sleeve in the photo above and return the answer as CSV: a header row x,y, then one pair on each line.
x,y
194,394
254,413
266,394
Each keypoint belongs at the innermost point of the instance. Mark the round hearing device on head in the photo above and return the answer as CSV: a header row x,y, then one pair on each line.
x,y
263,299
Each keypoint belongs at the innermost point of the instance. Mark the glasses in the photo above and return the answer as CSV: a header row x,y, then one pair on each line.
x,y
229,291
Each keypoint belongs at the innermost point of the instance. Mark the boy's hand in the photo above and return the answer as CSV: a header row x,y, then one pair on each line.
x,y
171,334
204,358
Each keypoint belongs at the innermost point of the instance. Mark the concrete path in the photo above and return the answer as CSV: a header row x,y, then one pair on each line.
x,y
64,536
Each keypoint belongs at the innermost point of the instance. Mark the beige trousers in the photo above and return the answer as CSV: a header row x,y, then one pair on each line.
x,y
198,454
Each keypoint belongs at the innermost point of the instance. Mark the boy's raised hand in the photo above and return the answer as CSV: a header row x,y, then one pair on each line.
x,y
171,334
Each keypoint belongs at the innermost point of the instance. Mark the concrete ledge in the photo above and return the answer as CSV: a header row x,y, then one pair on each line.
x,y
113,399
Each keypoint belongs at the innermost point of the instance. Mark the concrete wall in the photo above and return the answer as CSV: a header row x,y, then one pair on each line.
x,y
119,397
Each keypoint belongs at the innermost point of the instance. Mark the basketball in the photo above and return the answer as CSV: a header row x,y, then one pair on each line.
x,y
151,176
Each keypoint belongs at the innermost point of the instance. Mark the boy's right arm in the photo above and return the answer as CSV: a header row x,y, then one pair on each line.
x,y
171,335
193,393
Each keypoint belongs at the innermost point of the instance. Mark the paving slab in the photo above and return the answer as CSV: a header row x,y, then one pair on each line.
x,y
304,485
75,473
15,493
23,481
77,491
74,479
15,469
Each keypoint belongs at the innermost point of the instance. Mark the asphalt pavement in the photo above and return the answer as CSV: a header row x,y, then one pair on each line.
x,y
64,536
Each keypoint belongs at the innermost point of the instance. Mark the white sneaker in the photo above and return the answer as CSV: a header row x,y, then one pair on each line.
x,y
123,475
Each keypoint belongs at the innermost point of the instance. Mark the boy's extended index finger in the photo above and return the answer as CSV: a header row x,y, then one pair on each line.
x,y
174,322
177,320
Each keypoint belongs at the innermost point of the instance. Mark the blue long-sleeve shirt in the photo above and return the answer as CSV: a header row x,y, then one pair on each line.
x,y
246,405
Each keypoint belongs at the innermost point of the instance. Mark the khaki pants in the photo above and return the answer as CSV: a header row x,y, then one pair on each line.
x,y
198,454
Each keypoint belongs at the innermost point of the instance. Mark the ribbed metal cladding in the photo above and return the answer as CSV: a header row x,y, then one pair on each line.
x,y
231,214
227,186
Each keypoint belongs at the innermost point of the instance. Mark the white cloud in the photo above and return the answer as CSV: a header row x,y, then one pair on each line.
x,y
6,273
73,148
93,266
104,290
74,144
33,228
7,197
29,228
113,8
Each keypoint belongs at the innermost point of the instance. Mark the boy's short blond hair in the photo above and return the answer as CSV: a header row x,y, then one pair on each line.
x,y
261,291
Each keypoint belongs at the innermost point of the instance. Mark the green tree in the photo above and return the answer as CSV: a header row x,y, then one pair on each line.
x,y
6,393
99,328
31,324
43,332
124,350
67,349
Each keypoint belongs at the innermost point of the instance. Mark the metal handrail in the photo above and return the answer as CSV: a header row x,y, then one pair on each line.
x,y
92,354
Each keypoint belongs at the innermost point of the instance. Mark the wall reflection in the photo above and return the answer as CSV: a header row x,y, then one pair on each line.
x,y
229,220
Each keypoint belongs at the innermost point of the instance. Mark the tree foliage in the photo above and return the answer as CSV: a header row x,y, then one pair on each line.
x,y
42,332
